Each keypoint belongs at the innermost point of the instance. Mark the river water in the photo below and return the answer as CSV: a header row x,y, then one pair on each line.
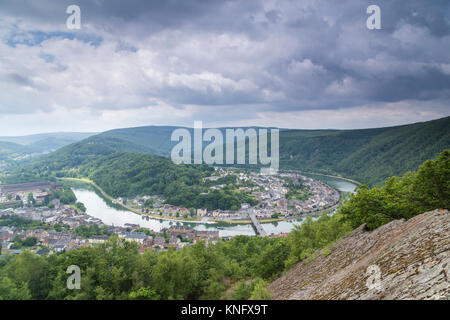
x,y
111,214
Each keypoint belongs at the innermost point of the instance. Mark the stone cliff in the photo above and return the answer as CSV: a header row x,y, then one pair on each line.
x,y
400,260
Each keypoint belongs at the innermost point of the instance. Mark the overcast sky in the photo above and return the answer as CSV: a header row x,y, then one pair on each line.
x,y
292,64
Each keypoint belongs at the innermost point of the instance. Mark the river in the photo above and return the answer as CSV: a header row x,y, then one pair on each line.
x,y
101,208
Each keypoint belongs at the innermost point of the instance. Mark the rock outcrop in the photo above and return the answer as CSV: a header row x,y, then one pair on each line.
x,y
400,260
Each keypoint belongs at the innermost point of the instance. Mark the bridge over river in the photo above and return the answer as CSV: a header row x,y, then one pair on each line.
x,y
256,224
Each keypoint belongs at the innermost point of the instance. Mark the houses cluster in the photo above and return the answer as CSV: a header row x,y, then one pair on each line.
x,y
49,240
193,235
269,190
273,198
59,215
12,194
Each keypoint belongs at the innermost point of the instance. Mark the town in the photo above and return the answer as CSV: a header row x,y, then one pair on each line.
x,y
282,196
32,218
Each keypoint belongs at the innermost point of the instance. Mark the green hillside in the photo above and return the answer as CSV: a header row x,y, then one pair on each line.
x,y
10,151
23,148
368,155
57,138
239,268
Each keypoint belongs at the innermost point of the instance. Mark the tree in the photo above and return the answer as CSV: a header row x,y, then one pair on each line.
x,y
149,203
401,197
46,200
271,261
432,187
311,235
260,292
29,269
30,199
11,291
243,290
143,294
80,206
29,242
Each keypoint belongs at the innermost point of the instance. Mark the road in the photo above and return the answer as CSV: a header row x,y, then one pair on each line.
x,y
258,226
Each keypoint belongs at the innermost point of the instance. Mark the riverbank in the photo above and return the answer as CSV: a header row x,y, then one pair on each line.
x,y
193,220
156,216
321,174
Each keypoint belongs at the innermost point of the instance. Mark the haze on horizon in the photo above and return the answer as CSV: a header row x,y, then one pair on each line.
x,y
309,64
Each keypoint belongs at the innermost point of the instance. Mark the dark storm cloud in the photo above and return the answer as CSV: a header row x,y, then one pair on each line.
x,y
283,55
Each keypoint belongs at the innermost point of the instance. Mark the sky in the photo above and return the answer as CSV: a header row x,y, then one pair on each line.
x,y
307,64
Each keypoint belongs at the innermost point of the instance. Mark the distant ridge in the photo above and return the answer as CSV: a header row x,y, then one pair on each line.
x,y
366,155
33,138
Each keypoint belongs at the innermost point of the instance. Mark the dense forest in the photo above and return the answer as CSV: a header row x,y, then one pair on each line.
x,y
128,175
236,269
239,268
401,197
14,150
123,174
368,155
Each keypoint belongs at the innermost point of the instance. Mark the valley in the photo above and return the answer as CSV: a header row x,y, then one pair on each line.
x,y
97,194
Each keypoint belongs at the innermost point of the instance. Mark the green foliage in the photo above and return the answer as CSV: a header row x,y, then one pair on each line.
x,y
243,290
143,294
30,199
93,230
23,223
312,235
270,262
149,203
116,269
12,291
297,191
65,195
80,206
28,271
368,155
29,242
260,292
405,197
128,174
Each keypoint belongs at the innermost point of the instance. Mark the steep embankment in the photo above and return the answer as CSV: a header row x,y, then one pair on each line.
x,y
413,257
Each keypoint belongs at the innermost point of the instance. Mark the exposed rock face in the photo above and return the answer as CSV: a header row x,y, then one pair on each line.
x,y
412,257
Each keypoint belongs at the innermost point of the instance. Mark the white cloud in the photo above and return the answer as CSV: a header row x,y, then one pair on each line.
x,y
272,63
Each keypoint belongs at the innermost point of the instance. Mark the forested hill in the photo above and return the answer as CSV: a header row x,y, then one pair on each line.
x,y
13,149
368,155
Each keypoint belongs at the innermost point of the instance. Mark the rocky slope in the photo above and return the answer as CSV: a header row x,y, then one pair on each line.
x,y
400,260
